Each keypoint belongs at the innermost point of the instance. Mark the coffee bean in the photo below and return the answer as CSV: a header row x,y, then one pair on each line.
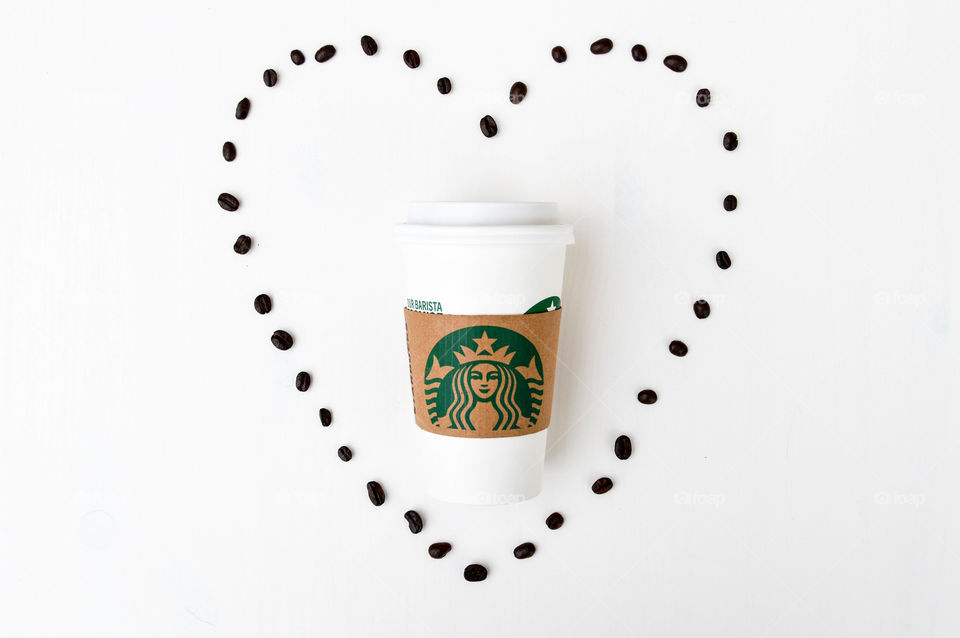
x,y
326,417
701,308
601,46
438,550
730,141
411,58
639,52
602,485
559,54
488,126
375,493
242,245
228,202
475,573
303,381
703,98
555,520
443,85
369,45
414,522
344,453
678,348
517,92
270,77
675,63
243,108
262,304
647,397
524,550
282,340
229,151
622,447
325,52
730,203
723,260
297,57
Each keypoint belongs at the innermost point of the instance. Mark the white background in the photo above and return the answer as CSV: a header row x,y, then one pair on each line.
x,y
160,476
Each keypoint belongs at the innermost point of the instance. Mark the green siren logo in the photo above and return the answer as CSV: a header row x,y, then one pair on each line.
x,y
484,378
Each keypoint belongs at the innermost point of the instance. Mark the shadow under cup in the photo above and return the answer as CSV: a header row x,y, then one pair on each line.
x,y
480,278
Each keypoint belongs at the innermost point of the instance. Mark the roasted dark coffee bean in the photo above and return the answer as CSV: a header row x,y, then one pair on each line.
x,y
602,485
639,52
411,58
303,381
282,340
242,245
601,46
703,98
344,453
297,57
559,54
723,260
555,520
730,141
488,126
414,522
369,45
524,550
262,304
701,308
678,348
675,63
438,550
228,202
375,493
475,573
443,85
243,109
325,52
517,92
326,417
730,203
647,397
622,447
229,151
270,77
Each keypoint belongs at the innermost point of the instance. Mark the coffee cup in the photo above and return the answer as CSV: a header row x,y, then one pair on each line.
x,y
482,308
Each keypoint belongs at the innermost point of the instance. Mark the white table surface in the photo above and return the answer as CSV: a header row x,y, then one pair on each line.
x,y
160,476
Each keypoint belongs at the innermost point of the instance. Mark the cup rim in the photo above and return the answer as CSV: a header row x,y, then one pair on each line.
x,y
483,222
556,234
481,213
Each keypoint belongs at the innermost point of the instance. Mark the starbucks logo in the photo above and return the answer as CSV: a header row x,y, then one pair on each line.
x,y
484,378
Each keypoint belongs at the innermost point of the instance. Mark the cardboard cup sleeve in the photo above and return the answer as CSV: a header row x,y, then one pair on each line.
x,y
482,376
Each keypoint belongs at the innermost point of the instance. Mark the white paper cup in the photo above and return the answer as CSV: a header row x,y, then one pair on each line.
x,y
474,258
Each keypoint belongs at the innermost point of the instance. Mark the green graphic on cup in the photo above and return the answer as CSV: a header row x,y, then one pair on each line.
x,y
544,305
484,379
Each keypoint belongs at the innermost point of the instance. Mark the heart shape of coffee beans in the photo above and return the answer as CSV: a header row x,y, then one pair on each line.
x,y
488,127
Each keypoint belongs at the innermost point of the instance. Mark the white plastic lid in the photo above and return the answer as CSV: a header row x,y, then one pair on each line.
x,y
483,223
